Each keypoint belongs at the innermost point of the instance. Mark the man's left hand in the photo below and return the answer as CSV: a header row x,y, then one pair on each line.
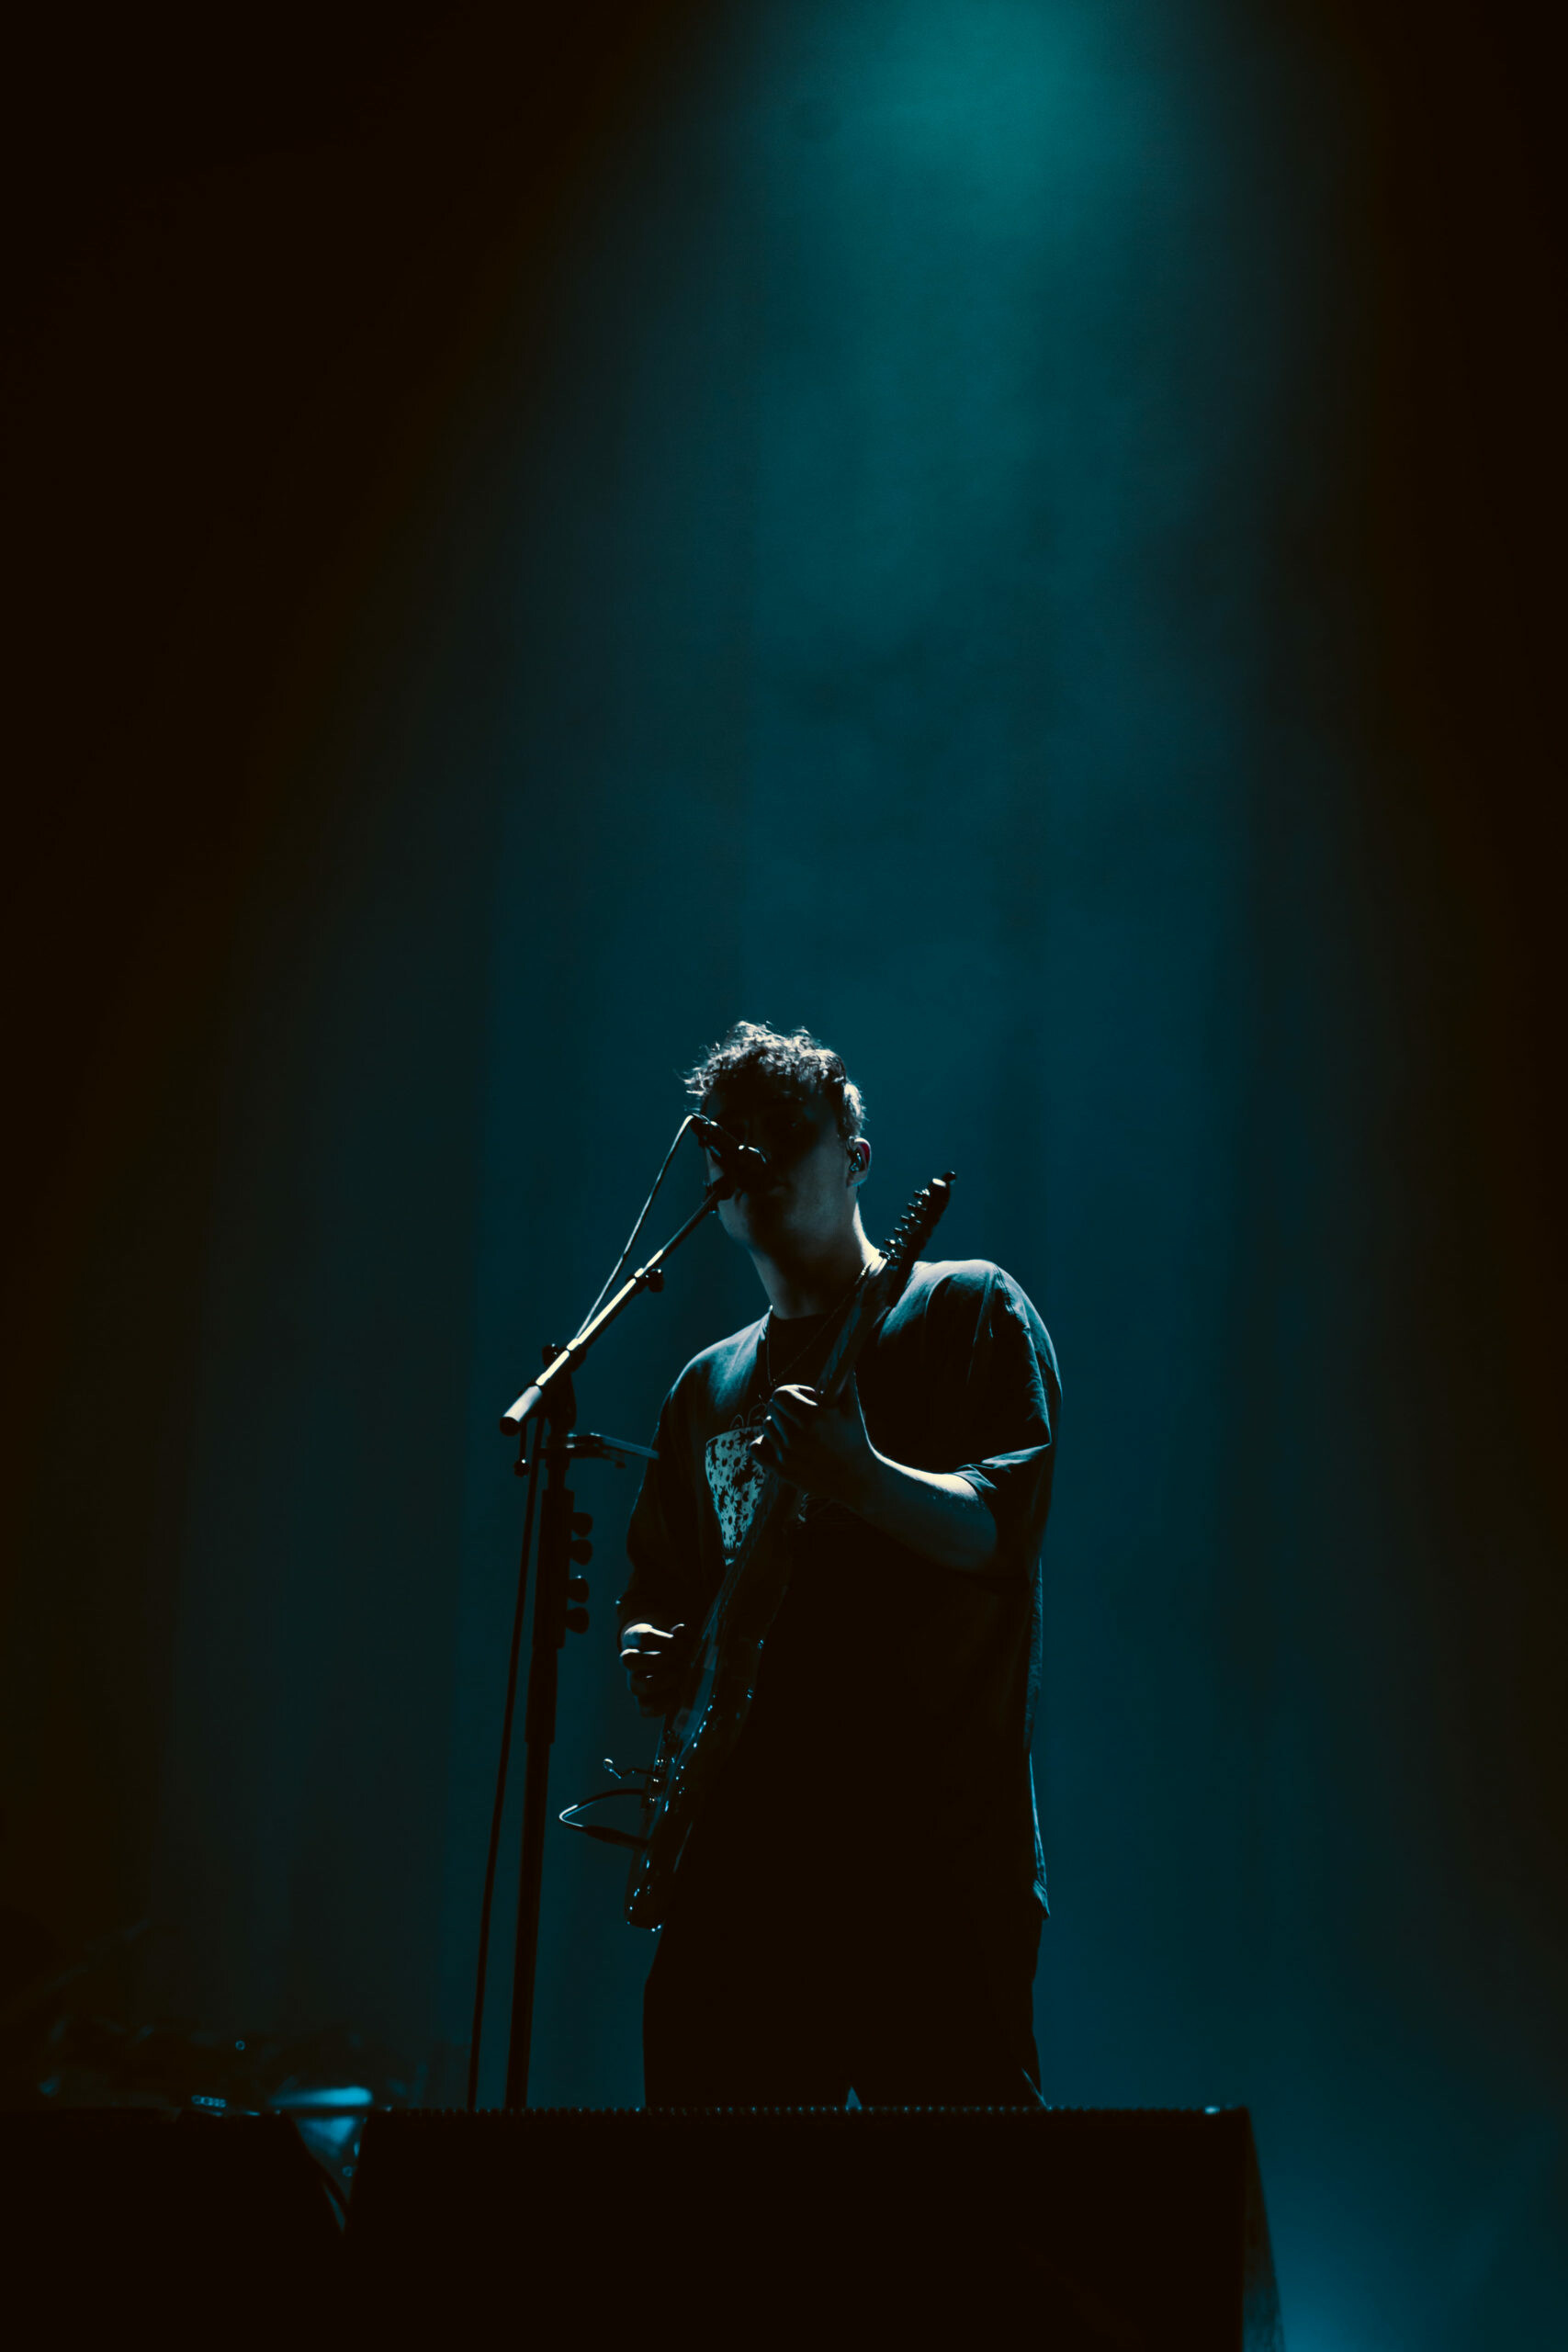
x,y
823,1448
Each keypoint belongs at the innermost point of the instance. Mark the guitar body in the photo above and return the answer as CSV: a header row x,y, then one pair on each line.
x,y
701,1731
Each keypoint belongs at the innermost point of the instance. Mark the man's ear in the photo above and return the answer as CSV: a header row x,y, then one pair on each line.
x,y
860,1160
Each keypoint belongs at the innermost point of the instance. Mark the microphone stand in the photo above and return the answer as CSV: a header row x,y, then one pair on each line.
x,y
650,1277
558,1609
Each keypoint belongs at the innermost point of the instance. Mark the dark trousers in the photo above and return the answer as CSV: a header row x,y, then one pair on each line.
x,y
784,1981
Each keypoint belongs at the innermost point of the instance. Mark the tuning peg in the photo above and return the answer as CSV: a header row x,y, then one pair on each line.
x,y
577,1588
582,1522
577,1621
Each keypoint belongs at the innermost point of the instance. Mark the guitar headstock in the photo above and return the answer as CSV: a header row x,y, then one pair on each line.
x,y
917,1224
879,1292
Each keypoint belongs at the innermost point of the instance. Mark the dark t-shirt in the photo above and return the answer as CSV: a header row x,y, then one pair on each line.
x,y
895,1697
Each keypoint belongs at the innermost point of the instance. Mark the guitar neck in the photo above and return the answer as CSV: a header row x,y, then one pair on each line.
x,y
753,1584
780,1501
867,1302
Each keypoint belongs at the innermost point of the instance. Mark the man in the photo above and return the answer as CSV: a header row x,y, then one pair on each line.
x,y
859,1905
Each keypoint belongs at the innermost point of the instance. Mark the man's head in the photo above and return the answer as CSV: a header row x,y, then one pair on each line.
x,y
792,1098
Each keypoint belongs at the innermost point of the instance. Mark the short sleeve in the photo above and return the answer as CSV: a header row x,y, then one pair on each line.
x,y
1012,1401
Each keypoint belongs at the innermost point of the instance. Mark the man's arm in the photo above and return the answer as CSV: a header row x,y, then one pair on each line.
x,y
827,1450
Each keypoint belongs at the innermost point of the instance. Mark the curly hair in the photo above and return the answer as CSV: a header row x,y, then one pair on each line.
x,y
793,1063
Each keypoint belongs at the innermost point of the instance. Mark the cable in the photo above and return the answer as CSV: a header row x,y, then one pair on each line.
x,y
631,1238
501,1779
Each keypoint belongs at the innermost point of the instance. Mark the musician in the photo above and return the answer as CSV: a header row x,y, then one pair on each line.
x,y
860,1904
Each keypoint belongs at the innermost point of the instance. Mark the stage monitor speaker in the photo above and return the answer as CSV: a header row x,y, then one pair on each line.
x,y
193,2228
1090,2231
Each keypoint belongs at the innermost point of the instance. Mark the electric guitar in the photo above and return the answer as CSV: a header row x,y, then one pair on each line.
x,y
703,1728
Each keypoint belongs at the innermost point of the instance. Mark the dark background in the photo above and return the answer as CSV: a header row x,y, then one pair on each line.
x,y
1025,534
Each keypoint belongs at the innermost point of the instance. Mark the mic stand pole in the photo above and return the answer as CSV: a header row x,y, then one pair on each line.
x,y
558,1609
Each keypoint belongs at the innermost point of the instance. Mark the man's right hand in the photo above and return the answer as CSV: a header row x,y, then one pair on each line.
x,y
653,1659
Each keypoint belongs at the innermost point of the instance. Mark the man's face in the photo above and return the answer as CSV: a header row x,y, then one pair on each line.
x,y
809,1197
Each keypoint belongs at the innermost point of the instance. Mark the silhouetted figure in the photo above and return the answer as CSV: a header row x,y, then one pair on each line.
x,y
860,1906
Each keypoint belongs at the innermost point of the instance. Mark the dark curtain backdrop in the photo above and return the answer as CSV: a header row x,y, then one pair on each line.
x,y
1024,535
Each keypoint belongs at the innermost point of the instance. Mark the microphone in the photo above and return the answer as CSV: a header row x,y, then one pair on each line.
x,y
745,1166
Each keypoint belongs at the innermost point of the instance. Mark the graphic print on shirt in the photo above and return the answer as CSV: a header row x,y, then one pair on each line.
x,y
735,1482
